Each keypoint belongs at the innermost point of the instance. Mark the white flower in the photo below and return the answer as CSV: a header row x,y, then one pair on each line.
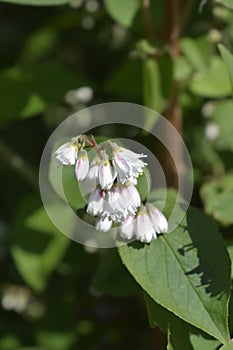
x,y
126,163
82,165
148,222
126,230
158,220
96,202
144,230
67,153
121,200
91,180
107,174
103,224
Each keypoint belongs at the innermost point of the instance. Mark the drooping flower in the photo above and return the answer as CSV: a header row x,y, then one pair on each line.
x,y
96,202
67,153
147,223
103,224
158,220
144,230
82,165
126,163
106,174
121,200
126,229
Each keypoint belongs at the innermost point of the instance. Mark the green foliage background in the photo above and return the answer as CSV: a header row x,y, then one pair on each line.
x,y
56,294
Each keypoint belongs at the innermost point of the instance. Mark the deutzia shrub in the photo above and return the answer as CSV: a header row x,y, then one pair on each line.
x,y
112,178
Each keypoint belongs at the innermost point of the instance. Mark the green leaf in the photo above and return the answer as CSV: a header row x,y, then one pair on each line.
x,y
71,188
152,83
152,91
213,82
218,198
121,11
126,81
181,335
112,278
228,346
230,252
38,2
181,274
222,115
198,51
37,245
228,59
34,87
227,3
144,184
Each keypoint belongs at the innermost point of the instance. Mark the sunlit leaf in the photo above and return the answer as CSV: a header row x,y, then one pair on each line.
x,y
181,274
122,12
213,82
218,198
228,59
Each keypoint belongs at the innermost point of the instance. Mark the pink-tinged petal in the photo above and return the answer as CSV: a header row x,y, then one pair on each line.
x,y
103,224
106,175
126,230
121,167
158,220
114,207
144,229
82,165
66,154
96,202
91,180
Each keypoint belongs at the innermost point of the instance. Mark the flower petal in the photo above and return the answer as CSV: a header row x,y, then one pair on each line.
x,y
103,224
126,229
82,165
106,175
96,202
158,220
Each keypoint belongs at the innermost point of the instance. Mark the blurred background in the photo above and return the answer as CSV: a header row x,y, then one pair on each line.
x,y
56,294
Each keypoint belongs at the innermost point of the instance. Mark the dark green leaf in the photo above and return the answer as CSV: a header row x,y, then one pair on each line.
x,y
33,88
181,274
112,278
181,335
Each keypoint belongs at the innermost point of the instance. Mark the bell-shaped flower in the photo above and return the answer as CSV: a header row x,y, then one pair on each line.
x,y
67,153
126,163
145,225
96,202
82,165
121,200
107,174
144,230
158,220
103,224
126,229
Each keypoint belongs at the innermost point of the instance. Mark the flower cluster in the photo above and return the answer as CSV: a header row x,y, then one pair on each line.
x,y
112,178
